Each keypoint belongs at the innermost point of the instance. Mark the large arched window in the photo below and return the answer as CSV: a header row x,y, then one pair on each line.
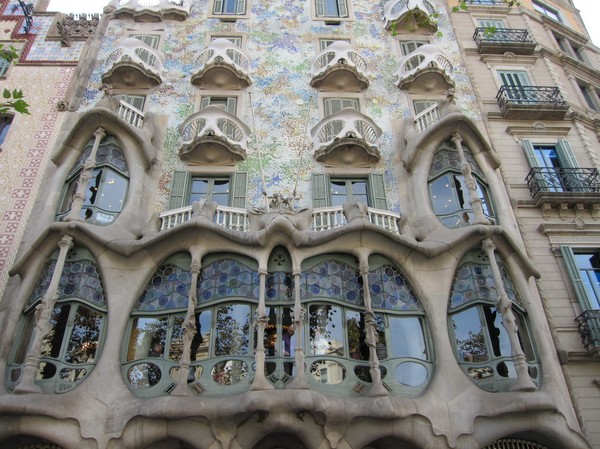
x,y
106,191
481,342
448,190
222,350
69,351
337,354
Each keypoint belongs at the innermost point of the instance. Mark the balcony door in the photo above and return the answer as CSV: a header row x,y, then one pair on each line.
x,y
334,105
516,83
152,41
553,166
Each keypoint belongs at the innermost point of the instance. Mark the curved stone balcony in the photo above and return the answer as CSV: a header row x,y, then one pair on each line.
x,y
346,138
214,137
222,65
410,15
429,66
152,10
339,67
135,64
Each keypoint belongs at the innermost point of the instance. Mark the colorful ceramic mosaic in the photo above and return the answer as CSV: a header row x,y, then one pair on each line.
x,y
475,282
280,106
332,279
79,279
389,290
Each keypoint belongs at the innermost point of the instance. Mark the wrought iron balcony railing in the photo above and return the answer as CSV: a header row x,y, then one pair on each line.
x,y
589,328
549,180
529,95
502,35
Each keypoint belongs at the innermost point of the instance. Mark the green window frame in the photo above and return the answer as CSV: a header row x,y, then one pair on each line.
x,y
583,268
322,185
182,189
552,157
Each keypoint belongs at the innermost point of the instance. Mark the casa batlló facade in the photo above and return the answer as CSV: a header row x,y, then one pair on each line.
x,y
292,225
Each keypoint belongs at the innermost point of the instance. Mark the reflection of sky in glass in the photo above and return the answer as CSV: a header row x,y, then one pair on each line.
x,y
326,330
407,337
411,374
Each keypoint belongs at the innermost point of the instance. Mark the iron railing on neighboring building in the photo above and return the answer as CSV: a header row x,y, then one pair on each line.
x,y
487,2
582,180
529,95
589,328
502,35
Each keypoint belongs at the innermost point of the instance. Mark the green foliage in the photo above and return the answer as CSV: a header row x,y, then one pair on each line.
x,y
12,100
463,4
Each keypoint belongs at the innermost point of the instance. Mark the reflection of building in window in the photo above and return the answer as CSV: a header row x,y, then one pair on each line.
x,y
481,341
70,350
553,164
448,189
107,188
583,267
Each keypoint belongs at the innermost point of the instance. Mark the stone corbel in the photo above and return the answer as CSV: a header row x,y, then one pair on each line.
x,y
563,211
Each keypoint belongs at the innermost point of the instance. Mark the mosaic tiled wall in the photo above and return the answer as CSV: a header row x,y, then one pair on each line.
x,y
26,150
281,41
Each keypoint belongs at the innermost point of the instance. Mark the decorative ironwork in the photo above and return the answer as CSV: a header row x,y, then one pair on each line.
x,y
487,2
589,328
27,12
557,179
502,35
529,95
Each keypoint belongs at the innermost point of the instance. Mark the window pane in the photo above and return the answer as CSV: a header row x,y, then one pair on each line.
x,y
589,270
199,190
355,325
470,340
201,341
113,191
85,336
58,324
326,331
147,339
407,337
339,193
442,195
331,8
221,192
359,191
232,330
498,336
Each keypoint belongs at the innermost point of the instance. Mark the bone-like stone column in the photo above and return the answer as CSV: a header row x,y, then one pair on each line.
x,y
377,388
260,381
86,174
504,305
299,380
43,312
465,167
189,326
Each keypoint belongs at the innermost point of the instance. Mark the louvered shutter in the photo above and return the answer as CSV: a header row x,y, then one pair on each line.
x,y
239,186
320,186
179,190
573,271
377,191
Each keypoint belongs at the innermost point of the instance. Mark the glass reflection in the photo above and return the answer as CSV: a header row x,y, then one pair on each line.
x,y
326,331
328,372
411,374
470,340
232,330
229,372
408,339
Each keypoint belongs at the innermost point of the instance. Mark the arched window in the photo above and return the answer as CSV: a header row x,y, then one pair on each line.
x,y
337,354
222,349
448,190
481,342
106,191
69,351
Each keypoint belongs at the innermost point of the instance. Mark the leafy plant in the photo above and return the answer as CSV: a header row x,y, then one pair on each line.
x,y
12,100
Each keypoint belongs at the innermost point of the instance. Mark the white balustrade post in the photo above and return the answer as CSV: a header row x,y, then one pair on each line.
x,y
43,312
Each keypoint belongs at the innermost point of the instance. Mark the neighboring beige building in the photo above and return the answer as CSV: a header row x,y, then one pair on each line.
x,y
280,224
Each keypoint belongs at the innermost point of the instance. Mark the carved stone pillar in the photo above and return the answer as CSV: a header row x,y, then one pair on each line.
x,y
43,312
504,305
86,174
189,329
260,381
299,380
470,181
377,388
